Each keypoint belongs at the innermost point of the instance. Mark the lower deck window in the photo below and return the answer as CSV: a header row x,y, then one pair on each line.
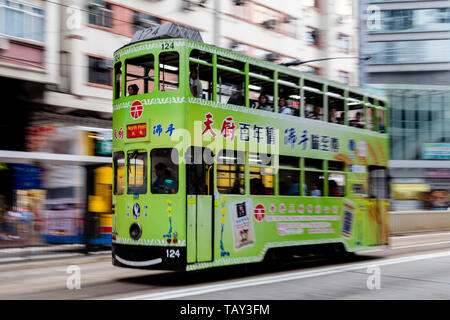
x,y
164,171
137,172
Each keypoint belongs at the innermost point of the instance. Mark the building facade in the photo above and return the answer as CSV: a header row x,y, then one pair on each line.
x,y
408,43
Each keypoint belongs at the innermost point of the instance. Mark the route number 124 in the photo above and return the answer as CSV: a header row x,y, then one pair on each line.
x,y
172,253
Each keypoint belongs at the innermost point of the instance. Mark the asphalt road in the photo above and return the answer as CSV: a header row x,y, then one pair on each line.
x,y
413,267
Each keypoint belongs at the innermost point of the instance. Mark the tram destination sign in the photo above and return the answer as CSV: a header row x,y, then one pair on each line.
x,y
136,130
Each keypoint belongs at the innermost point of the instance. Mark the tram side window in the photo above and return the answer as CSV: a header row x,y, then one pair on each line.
x,y
289,176
201,74
313,100
261,88
169,71
230,87
336,179
314,177
288,95
262,178
164,171
336,105
118,80
378,182
230,172
137,172
119,172
356,111
380,118
140,75
199,171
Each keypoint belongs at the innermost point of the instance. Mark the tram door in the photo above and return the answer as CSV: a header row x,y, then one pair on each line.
x,y
200,204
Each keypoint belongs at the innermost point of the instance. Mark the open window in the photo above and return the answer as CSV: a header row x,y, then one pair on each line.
x,y
230,87
261,88
165,176
119,172
199,171
289,176
356,110
336,179
169,71
140,75
117,80
336,105
137,172
314,177
288,95
262,177
313,100
230,172
201,74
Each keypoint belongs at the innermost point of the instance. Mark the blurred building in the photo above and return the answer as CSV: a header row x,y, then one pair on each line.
x,y
409,46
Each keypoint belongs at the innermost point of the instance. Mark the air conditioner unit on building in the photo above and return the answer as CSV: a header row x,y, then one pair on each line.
x,y
272,56
4,43
270,24
239,2
187,5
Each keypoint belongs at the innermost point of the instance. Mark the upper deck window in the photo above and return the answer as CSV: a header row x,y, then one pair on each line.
x,y
118,80
140,75
169,71
201,74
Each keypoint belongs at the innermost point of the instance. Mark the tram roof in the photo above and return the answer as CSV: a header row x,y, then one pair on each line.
x,y
174,31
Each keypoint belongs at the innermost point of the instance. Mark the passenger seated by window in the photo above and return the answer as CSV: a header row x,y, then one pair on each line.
x,y
315,191
236,96
357,122
261,104
164,182
316,114
334,189
195,84
283,107
334,116
258,188
133,89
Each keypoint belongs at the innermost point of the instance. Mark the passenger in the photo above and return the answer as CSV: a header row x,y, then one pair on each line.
x,y
195,84
164,183
236,97
316,115
357,122
315,191
334,190
262,104
258,188
283,108
133,89
333,116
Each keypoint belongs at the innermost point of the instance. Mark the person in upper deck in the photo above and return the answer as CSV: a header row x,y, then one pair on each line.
x,y
236,97
316,114
357,122
261,104
133,89
195,84
283,107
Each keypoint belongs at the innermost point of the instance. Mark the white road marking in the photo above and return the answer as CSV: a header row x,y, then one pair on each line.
x,y
420,245
173,294
421,235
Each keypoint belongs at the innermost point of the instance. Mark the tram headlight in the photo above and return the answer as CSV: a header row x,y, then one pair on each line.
x,y
135,231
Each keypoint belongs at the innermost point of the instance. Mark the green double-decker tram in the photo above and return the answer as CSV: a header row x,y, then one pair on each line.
x,y
222,159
